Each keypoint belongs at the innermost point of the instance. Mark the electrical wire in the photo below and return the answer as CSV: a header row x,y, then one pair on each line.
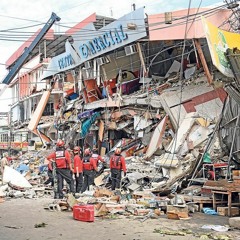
x,y
113,69
148,56
181,87
206,12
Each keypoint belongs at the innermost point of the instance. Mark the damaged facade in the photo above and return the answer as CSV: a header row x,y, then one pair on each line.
x,y
145,86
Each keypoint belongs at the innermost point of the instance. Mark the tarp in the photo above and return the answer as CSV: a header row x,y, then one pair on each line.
x,y
85,114
87,124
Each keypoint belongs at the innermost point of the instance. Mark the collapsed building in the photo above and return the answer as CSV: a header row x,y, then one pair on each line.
x,y
145,85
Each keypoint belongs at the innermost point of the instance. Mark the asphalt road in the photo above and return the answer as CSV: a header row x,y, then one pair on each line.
x,y
18,218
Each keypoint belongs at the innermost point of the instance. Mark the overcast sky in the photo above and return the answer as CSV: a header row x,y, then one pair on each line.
x,y
23,13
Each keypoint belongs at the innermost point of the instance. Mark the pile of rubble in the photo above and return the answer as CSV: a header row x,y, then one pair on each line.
x,y
165,146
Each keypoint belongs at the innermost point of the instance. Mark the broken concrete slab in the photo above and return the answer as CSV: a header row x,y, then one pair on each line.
x,y
198,135
135,176
167,160
182,133
203,99
133,187
141,123
15,178
234,222
156,139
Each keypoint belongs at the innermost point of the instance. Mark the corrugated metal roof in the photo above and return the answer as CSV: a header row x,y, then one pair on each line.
x,y
233,93
230,113
233,57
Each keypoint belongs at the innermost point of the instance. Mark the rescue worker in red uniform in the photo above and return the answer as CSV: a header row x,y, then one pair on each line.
x,y
117,165
78,168
97,157
64,168
89,166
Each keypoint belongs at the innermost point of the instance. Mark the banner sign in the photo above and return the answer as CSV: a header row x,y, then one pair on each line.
x,y
218,42
14,145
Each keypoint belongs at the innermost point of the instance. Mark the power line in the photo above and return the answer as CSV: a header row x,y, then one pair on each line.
x,y
183,17
17,38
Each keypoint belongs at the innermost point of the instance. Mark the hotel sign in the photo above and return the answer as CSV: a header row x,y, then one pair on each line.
x,y
102,42
90,43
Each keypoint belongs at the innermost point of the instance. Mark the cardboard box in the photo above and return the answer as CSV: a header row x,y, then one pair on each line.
x,y
236,174
223,211
171,208
172,215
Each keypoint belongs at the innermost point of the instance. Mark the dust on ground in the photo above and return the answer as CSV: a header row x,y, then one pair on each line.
x,y
26,219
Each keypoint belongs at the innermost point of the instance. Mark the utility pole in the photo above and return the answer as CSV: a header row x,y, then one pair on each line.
x,y
10,132
134,6
233,20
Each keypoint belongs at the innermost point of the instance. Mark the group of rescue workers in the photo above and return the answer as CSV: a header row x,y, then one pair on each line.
x,y
80,173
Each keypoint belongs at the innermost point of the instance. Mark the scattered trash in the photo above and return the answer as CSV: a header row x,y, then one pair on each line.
x,y
184,232
172,232
210,211
13,227
217,228
40,225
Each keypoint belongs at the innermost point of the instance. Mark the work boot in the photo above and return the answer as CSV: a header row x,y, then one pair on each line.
x,y
57,196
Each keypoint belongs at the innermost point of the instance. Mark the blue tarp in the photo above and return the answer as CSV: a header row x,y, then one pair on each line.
x,y
73,96
210,211
22,168
88,123
43,168
86,114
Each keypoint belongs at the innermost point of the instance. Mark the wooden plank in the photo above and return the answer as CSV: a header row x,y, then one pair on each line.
x,y
103,151
39,111
197,199
223,211
203,61
101,130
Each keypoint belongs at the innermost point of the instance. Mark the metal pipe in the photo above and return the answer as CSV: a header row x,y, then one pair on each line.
x,y
208,144
231,150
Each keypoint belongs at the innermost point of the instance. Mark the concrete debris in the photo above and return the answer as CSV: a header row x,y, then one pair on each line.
x,y
13,177
174,123
234,222
40,225
165,125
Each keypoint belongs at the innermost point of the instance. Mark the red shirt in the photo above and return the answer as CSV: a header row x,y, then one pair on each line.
x,y
89,163
67,157
97,158
118,162
78,164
